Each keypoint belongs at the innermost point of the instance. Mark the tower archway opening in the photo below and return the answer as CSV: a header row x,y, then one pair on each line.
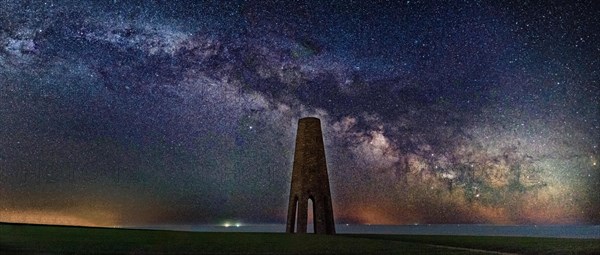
x,y
311,216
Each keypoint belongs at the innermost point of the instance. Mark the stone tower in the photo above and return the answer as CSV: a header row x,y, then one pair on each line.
x,y
310,181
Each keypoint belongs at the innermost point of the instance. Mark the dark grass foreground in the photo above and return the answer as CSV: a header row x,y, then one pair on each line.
x,y
36,239
505,244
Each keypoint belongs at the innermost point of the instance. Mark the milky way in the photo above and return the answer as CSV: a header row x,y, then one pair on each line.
x,y
166,112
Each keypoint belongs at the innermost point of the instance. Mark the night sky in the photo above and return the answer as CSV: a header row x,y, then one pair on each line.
x,y
118,113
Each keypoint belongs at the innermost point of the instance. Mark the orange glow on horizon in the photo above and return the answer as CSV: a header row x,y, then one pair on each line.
x,y
53,218
376,216
495,215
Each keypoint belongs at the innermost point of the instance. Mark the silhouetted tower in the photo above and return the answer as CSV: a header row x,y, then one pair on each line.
x,y
310,181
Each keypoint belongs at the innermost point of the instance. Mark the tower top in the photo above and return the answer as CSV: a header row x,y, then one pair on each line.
x,y
309,119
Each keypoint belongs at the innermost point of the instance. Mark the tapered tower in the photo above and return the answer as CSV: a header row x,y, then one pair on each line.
x,y
310,181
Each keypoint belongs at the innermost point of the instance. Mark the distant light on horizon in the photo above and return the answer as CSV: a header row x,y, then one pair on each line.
x,y
228,224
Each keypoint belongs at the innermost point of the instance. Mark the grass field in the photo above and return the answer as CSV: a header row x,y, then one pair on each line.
x,y
35,239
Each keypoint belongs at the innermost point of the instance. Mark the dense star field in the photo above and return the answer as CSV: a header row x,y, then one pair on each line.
x,y
181,112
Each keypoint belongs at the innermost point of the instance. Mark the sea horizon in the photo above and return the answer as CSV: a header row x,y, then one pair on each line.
x,y
533,230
